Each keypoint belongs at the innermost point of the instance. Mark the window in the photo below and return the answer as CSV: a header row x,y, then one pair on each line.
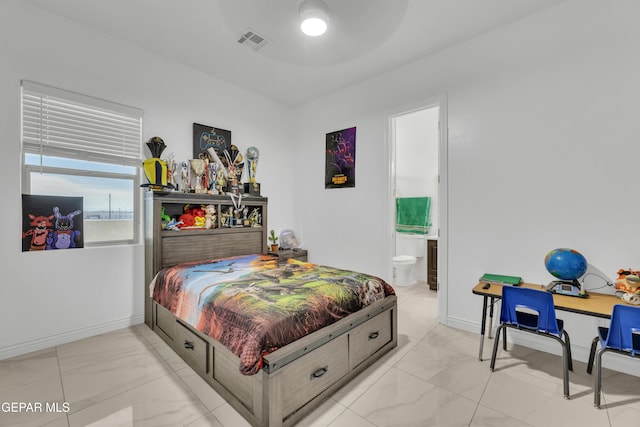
x,y
76,145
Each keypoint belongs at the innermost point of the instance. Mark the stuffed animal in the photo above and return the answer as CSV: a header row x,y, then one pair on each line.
x,y
166,219
210,217
628,281
192,217
628,284
187,220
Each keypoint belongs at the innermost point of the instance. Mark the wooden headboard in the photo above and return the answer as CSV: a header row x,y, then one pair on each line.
x,y
165,248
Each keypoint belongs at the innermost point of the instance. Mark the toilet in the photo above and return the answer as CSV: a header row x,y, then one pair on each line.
x,y
403,267
412,248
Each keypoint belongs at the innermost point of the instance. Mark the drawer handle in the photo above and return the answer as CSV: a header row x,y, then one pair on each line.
x,y
374,335
320,372
188,345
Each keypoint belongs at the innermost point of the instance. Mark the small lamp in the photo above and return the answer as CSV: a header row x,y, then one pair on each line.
x,y
314,16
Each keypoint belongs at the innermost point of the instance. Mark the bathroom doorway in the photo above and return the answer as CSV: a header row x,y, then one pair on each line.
x,y
418,153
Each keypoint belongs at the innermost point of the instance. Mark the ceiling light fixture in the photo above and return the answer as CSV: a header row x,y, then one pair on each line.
x,y
314,16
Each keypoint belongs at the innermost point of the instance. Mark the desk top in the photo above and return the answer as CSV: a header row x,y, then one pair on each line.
x,y
599,305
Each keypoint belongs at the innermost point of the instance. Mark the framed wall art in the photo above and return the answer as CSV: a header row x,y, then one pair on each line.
x,y
51,222
340,163
208,136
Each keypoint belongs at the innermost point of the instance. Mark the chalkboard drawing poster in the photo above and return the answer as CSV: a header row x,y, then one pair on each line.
x,y
340,164
51,222
207,136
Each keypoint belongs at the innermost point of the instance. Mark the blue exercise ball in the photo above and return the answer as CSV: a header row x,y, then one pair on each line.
x,y
565,264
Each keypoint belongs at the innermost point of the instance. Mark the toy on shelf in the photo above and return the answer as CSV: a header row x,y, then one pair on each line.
x,y
192,217
210,216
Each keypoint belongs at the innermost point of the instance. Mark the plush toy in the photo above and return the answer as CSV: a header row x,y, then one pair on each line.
x,y
165,218
187,220
41,229
199,221
628,284
192,217
628,281
64,236
173,225
210,217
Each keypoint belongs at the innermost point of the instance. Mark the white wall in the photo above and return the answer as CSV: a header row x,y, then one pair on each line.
x,y
50,298
542,148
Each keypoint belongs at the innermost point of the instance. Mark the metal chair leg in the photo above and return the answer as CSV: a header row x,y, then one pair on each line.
x,y
592,354
504,339
566,362
598,378
566,340
496,343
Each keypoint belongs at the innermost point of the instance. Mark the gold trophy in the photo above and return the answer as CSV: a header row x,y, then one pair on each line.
x,y
198,167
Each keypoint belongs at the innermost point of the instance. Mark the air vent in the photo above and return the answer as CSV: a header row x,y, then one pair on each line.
x,y
252,40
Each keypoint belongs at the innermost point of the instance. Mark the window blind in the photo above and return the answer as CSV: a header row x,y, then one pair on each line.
x,y
57,122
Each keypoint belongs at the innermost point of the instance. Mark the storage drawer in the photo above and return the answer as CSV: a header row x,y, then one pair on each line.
x,y
366,339
226,370
164,321
192,347
311,374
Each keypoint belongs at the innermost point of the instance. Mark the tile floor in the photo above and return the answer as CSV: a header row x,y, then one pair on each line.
x,y
433,378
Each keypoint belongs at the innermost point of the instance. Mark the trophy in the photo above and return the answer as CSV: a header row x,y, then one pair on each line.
x,y
155,169
252,187
198,168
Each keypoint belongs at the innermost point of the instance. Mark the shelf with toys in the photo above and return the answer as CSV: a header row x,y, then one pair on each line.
x,y
224,223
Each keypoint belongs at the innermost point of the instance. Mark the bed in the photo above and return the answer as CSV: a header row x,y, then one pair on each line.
x,y
297,358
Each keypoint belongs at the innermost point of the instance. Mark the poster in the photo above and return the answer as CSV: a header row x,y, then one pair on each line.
x,y
208,136
340,163
51,222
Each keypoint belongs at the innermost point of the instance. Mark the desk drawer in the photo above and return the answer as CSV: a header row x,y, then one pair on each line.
x,y
313,373
366,339
192,347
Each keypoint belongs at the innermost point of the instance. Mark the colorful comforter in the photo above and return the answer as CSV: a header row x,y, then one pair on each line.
x,y
254,305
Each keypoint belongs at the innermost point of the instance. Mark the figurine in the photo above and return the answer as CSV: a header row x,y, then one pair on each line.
x,y
221,181
254,218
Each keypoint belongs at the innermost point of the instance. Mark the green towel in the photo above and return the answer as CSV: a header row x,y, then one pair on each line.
x,y
413,214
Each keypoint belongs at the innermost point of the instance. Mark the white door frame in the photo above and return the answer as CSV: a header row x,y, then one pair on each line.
x,y
443,196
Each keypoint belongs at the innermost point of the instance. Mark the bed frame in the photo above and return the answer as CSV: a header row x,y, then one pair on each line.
x,y
297,378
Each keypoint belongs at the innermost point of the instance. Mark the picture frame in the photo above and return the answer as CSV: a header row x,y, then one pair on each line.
x,y
340,159
205,136
51,223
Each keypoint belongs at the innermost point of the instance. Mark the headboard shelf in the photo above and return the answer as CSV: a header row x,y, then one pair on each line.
x,y
164,248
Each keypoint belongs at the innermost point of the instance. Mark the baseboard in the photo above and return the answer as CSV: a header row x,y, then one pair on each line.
x,y
68,336
615,362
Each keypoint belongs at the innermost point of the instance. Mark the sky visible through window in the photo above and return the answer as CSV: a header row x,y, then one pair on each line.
x,y
103,198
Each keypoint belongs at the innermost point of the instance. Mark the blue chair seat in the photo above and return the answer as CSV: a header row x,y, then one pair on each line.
x,y
533,311
622,336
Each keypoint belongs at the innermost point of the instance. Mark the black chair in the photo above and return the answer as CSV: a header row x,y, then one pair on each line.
x,y
622,336
542,323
